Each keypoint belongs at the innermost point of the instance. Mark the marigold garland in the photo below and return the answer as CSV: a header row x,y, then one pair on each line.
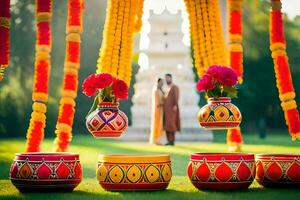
x,y
123,18
70,81
282,70
138,18
205,28
4,36
35,132
235,31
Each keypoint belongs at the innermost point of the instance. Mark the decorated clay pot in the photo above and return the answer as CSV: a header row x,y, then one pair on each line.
x,y
278,170
46,171
221,171
134,172
107,121
219,114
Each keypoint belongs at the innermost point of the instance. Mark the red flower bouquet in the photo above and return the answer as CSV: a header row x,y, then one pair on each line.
x,y
218,81
104,118
219,84
106,86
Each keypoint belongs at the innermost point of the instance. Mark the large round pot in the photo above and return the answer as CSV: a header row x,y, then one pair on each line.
x,y
34,172
278,170
221,171
219,114
134,172
107,121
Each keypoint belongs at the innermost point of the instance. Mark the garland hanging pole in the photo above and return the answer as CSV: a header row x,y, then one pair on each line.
x,y
282,70
70,79
4,36
35,132
235,35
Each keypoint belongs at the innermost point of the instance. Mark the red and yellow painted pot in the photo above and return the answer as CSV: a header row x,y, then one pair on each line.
x,y
219,114
278,170
134,172
35,172
221,171
107,121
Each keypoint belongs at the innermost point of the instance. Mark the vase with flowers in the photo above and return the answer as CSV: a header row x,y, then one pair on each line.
x,y
219,83
105,119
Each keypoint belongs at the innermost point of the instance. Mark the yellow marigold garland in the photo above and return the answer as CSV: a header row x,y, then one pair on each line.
x,y
205,28
122,19
35,132
70,81
138,18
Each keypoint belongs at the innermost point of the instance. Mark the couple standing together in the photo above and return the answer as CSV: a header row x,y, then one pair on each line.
x,y
165,112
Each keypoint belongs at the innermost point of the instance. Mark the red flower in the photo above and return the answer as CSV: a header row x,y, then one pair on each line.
x,y
215,72
223,75
88,86
120,89
205,83
228,77
103,80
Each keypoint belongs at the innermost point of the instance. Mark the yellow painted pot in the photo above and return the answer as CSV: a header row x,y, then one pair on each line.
x,y
134,172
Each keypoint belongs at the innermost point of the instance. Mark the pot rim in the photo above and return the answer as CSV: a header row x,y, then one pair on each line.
x,y
212,99
106,103
47,156
133,158
222,156
279,155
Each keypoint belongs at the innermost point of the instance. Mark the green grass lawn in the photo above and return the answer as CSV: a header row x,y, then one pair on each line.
x,y
180,186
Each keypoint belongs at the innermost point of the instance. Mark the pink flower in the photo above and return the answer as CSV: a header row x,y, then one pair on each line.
x,y
88,85
120,89
223,75
205,83
228,77
215,71
103,80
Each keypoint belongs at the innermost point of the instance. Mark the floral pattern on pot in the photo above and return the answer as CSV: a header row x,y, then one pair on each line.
x,y
278,170
134,172
219,114
221,171
107,121
46,171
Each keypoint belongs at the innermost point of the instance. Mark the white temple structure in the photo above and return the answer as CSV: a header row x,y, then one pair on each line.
x,y
166,54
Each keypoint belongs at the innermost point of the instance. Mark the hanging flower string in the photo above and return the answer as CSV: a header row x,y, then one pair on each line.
x,y
205,28
282,70
235,36
139,14
35,132
70,81
4,36
235,31
122,19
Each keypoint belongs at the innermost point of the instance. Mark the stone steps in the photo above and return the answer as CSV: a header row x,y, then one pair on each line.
x,y
187,135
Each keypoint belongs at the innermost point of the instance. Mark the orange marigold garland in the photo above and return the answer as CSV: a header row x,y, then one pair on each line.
x,y
4,36
123,18
282,70
205,28
70,81
235,31
35,132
